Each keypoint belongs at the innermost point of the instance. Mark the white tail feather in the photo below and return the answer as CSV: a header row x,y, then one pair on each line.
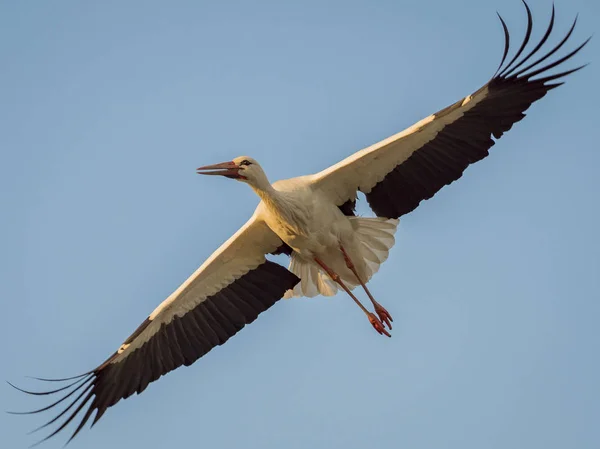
x,y
376,235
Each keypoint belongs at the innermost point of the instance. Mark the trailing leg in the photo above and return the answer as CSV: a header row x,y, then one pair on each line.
x,y
375,322
384,315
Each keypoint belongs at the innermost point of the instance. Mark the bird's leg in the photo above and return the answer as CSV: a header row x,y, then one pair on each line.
x,y
384,315
375,322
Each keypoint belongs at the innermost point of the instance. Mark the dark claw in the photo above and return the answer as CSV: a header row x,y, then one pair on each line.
x,y
378,325
384,315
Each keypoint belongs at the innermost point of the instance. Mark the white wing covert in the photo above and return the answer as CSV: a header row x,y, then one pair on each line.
x,y
227,292
399,172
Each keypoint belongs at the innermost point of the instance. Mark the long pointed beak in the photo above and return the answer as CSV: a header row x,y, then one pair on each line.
x,y
228,169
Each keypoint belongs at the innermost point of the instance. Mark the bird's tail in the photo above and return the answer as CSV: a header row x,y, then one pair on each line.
x,y
376,237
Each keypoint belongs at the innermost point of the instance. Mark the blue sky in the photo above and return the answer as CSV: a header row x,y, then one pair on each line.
x,y
108,107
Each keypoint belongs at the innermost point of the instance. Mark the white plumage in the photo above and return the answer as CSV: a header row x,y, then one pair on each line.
x,y
311,218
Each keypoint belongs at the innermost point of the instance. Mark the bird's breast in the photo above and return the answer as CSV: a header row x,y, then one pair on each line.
x,y
307,225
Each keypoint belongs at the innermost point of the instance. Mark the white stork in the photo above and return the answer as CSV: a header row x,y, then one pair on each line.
x,y
311,219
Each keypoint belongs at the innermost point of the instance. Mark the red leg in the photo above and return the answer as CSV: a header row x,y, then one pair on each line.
x,y
375,322
384,315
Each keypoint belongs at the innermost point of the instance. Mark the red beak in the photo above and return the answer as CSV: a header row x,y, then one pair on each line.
x,y
227,169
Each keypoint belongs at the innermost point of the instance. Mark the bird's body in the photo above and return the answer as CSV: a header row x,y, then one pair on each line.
x,y
300,217
311,219
310,223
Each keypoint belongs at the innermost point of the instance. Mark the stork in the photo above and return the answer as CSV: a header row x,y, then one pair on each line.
x,y
311,219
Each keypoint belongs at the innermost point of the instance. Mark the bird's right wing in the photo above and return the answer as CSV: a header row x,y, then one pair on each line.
x,y
399,172
227,292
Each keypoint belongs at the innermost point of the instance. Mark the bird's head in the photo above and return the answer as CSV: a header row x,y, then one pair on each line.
x,y
242,168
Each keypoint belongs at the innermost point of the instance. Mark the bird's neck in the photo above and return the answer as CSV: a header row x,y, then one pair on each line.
x,y
266,192
273,198
285,207
263,188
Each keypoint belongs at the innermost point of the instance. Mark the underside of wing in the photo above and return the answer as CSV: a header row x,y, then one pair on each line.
x,y
227,292
398,173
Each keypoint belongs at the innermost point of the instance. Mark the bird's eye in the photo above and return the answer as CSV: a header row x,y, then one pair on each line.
x,y
245,162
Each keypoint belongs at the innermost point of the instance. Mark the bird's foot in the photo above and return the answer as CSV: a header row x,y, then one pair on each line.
x,y
377,325
384,315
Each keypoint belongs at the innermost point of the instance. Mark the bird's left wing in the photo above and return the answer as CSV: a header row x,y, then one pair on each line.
x,y
399,172
227,292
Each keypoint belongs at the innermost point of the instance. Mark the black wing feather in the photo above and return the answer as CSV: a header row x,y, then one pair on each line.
x,y
179,342
466,140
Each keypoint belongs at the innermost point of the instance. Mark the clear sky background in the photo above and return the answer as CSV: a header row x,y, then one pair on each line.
x,y
106,109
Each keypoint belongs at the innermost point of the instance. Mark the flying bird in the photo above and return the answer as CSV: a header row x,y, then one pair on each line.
x,y
312,220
